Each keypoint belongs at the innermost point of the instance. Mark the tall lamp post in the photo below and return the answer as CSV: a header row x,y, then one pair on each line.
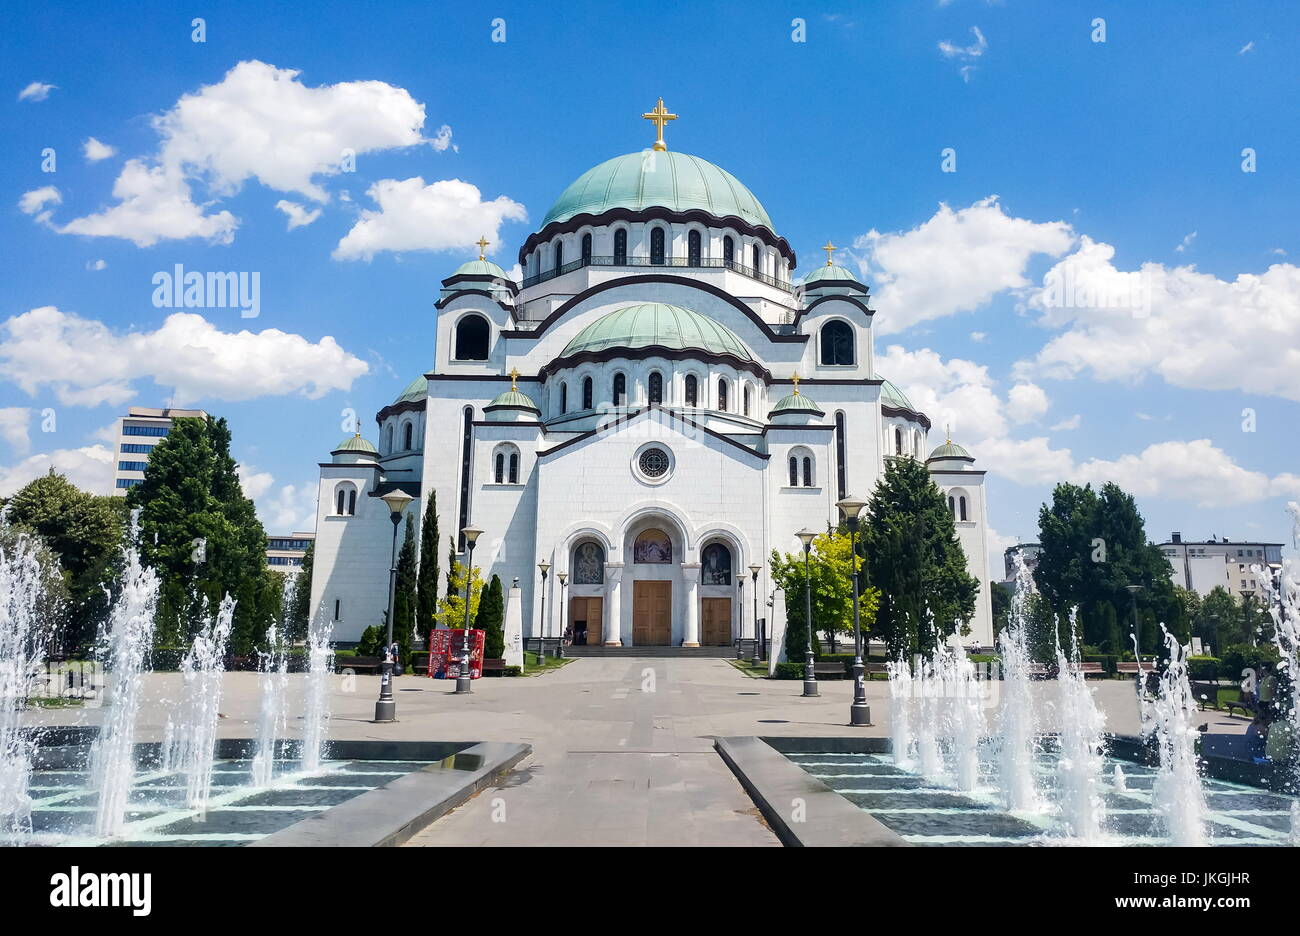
x,y
860,713
1137,626
758,647
806,537
386,707
564,583
545,567
463,680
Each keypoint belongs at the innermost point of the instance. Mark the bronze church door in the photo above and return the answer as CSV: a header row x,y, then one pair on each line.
x,y
716,615
652,618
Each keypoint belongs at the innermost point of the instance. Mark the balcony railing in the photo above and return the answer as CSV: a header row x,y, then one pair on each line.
x,y
698,263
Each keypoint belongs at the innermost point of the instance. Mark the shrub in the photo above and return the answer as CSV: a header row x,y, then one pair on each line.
x,y
789,671
1242,656
1203,668
513,671
372,641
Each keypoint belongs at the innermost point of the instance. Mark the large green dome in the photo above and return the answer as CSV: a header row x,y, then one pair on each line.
x,y
659,179
657,325
890,395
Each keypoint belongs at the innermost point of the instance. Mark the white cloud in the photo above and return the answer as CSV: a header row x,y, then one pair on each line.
x,y
1067,424
1195,471
87,364
97,265
89,468
36,91
1246,48
966,54
1187,242
34,202
956,393
442,140
13,427
979,337
954,262
997,547
444,215
255,483
95,150
297,214
1026,402
289,508
1197,331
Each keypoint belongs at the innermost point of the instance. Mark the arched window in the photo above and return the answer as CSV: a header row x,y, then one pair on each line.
x,y
837,343
620,389
898,441
388,440
472,338
514,467
346,500
807,472
794,471
722,394
620,247
952,506
499,475
656,387
657,246
841,468
653,546
758,259
343,503
466,463
715,565
692,390
564,398
961,503
745,398
505,465
559,255
693,248
586,249
728,251
588,564
586,394
352,503
408,437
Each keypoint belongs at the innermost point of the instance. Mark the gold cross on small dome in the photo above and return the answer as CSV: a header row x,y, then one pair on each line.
x,y
795,379
830,252
482,246
659,116
514,377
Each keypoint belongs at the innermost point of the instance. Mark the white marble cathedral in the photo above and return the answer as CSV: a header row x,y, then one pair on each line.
x,y
652,410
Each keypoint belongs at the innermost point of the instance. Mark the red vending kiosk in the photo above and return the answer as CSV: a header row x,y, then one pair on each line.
x,y
445,649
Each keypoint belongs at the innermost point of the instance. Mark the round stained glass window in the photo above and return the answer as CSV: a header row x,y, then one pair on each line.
x,y
654,463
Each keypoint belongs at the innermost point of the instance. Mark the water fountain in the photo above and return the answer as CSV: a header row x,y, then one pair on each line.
x,y
963,716
1082,760
900,711
1120,782
316,708
1177,794
203,670
273,680
1017,724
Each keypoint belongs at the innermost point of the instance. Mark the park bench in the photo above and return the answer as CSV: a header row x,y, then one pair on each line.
x,y
829,670
874,669
494,666
1090,669
1205,692
358,664
1131,668
1247,706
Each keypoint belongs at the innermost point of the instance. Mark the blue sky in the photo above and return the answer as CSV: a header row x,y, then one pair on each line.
x,y
1103,157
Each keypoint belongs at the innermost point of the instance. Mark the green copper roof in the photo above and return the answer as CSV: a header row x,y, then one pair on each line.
x,y
653,178
890,395
354,443
514,399
950,449
657,324
796,403
481,268
833,272
416,390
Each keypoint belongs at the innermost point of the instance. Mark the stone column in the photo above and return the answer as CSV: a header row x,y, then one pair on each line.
x,y
514,626
691,578
613,604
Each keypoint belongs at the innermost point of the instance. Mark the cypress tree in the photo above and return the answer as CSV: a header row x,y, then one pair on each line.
x,y
404,600
491,620
426,601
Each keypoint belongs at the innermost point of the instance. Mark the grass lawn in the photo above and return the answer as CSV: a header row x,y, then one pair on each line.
x,y
756,672
533,668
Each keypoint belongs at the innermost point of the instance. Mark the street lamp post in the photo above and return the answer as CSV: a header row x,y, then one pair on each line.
x,y
463,680
1137,625
860,713
545,567
386,707
758,647
559,644
806,537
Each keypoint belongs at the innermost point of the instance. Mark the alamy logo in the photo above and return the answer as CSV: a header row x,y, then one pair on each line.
x,y
75,889
213,290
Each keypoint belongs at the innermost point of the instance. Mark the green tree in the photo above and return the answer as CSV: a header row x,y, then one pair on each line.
x,y
914,559
451,609
1000,596
85,534
1219,621
426,601
491,620
405,597
300,610
830,570
202,536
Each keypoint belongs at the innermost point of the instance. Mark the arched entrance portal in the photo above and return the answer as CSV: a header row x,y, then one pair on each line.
x,y
652,588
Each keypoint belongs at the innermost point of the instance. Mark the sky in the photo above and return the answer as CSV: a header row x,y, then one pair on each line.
x,y
1077,220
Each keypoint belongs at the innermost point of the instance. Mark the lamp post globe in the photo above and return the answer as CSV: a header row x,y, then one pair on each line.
x,y
386,706
542,567
757,658
463,679
559,644
806,537
859,713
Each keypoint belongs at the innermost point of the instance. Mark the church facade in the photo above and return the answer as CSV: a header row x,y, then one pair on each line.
x,y
652,409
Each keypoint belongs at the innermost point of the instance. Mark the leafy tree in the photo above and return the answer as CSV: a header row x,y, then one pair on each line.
x,y
451,609
830,570
1219,621
1000,595
491,620
300,609
914,559
405,597
52,605
85,534
426,601
202,536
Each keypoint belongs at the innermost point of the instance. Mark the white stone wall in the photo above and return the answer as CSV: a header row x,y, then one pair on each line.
x,y
972,533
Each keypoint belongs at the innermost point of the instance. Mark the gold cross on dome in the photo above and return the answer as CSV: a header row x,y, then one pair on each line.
x,y
514,377
947,430
482,246
659,116
830,252
795,379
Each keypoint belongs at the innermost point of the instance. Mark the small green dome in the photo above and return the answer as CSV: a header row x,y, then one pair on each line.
x,y
658,325
890,395
829,274
354,443
513,399
415,391
658,179
950,449
796,403
481,268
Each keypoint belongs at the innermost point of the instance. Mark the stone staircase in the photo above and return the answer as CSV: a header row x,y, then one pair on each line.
x,y
694,653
